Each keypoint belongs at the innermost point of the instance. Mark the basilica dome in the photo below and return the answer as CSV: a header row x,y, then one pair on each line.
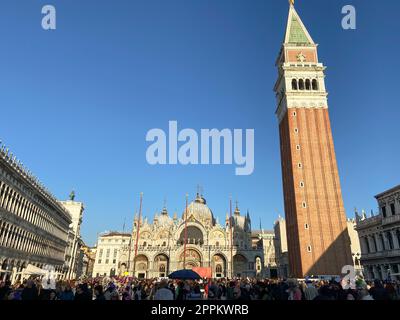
x,y
199,210
163,219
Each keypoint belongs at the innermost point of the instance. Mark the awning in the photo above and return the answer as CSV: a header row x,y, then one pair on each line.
x,y
203,272
31,269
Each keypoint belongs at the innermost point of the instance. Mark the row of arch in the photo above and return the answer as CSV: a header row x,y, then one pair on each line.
x,y
7,267
15,237
374,244
219,264
306,84
195,236
382,271
12,201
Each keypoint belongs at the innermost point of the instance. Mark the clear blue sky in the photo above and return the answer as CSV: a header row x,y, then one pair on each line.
x,y
76,103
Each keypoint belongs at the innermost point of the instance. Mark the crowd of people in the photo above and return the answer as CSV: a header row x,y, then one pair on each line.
x,y
127,288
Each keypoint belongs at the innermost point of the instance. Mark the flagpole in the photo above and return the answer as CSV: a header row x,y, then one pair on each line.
x,y
184,245
130,246
137,233
230,225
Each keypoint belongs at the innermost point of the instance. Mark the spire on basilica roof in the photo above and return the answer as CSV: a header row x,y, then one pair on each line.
x,y
237,211
164,211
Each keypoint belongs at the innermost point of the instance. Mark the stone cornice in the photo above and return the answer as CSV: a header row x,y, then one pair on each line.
x,y
20,173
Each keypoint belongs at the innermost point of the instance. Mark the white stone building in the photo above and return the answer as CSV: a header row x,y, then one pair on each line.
x,y
380,237
108,250
355,245
266,240
33,225
73,254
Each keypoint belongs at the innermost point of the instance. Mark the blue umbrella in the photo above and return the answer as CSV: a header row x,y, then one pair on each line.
x,y
184,274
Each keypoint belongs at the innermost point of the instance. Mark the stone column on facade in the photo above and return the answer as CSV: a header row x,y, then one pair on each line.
x,y
378,242
175,265
384,272
375,272
362,247
152,272
6,234
385,241
372,246
395,240
3,236
391,271
367,273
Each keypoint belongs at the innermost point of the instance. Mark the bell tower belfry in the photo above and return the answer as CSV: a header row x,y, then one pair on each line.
x,y
318,240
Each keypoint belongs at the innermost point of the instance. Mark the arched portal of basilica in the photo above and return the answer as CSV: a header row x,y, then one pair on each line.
x,y
192,259
196,240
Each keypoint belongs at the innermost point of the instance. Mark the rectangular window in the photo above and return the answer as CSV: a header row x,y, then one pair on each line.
x,y
101,253
108,253
107,261
114,261
251,265
115,253
384,211
392,208
99,262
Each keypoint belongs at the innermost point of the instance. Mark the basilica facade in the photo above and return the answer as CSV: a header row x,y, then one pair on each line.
x,y
194,240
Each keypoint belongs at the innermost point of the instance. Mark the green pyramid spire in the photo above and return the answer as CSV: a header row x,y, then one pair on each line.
x,y
296,31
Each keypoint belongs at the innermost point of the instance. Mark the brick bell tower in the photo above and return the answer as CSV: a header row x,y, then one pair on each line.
x,y
318,240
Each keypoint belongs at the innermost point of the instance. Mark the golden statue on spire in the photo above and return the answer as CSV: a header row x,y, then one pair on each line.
x,y
291,2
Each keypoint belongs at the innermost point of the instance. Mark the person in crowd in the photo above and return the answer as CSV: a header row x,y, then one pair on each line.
x,y
98,292
30,291
195,294
212,291
53,295
5,289
294,292
82,293
163,293
309,290
130,288
378,292
66,293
